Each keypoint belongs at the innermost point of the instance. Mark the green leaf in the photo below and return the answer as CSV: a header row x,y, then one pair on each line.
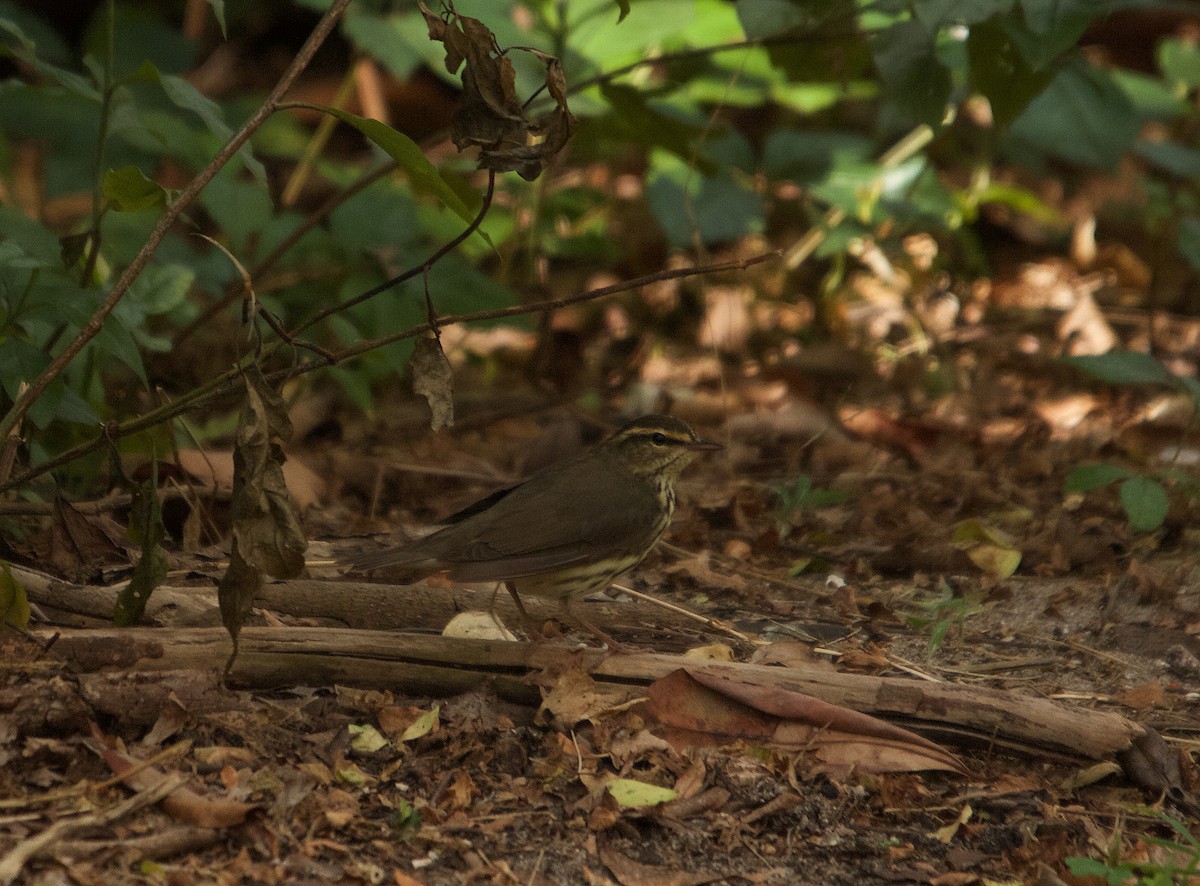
x,y
1187,240
1171,157
1020,199
423,725
184,95
159,289
1082,117
654,124
911,75
366,739
1085,478
1124,368
718,208
116,340
622,9
423,174
1179,60
218,8
1053,27
810,157
1145,503
383,37
935,14
1151,97
1000,72
14,605
128,190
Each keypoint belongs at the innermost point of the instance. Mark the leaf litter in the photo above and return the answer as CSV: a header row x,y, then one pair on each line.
x,y
907,572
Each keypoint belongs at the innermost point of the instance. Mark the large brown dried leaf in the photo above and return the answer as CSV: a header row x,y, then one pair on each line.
x,y
698,708
265,524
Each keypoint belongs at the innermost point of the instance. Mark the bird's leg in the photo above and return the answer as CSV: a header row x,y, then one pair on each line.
x,y
531,628
612,643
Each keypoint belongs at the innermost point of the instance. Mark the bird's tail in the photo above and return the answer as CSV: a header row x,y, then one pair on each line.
x,y
401,563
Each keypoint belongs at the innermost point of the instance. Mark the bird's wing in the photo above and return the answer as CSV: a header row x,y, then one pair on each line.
x,y
535,528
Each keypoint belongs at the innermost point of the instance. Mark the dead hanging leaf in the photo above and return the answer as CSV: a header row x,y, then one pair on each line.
x,y
265,523
215,468
80,547
267,536
702,708
489,115
235,594
433,380
145,529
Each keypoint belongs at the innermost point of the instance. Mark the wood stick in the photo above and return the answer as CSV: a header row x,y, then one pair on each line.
x,y
426,664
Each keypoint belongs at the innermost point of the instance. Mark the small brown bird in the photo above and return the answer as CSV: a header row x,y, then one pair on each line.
x,y
568,530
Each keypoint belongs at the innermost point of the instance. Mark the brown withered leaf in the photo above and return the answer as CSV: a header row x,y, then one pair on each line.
x,y
634,873
182,804
433,380
267,536
265,524
489,115
79,546
695,707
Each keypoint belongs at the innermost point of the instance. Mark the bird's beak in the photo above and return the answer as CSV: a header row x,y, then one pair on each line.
x,y
699,444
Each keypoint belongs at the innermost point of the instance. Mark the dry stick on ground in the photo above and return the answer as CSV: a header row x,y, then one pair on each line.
x,y
423,664
344,603
12,863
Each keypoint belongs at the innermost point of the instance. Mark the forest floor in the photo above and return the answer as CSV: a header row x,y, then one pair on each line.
x,y
905,520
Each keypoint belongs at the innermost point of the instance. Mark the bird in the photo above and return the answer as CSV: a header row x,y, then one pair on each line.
x,y
567,531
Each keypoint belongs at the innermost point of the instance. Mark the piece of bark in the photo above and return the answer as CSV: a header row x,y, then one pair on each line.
x,y
423,664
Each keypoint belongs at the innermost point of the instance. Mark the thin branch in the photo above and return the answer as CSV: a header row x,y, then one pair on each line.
x,y
553,304
233,290
168,218
412,272
226,385
702,51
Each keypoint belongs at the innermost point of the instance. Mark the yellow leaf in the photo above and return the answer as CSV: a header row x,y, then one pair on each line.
x,y
630,792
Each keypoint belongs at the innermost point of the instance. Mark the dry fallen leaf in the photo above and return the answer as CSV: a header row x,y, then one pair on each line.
x,y
695,708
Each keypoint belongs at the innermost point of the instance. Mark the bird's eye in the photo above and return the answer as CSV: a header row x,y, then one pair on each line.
x,y
658,438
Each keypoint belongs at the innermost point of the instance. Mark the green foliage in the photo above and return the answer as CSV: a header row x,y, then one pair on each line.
x,y
950,611
650,83
14,604
801,495
1179,859
1143,496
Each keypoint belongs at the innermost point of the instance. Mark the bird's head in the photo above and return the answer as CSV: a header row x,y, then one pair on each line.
x,y
657,446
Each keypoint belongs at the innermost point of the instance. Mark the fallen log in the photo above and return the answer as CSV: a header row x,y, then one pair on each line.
x,y
434,665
